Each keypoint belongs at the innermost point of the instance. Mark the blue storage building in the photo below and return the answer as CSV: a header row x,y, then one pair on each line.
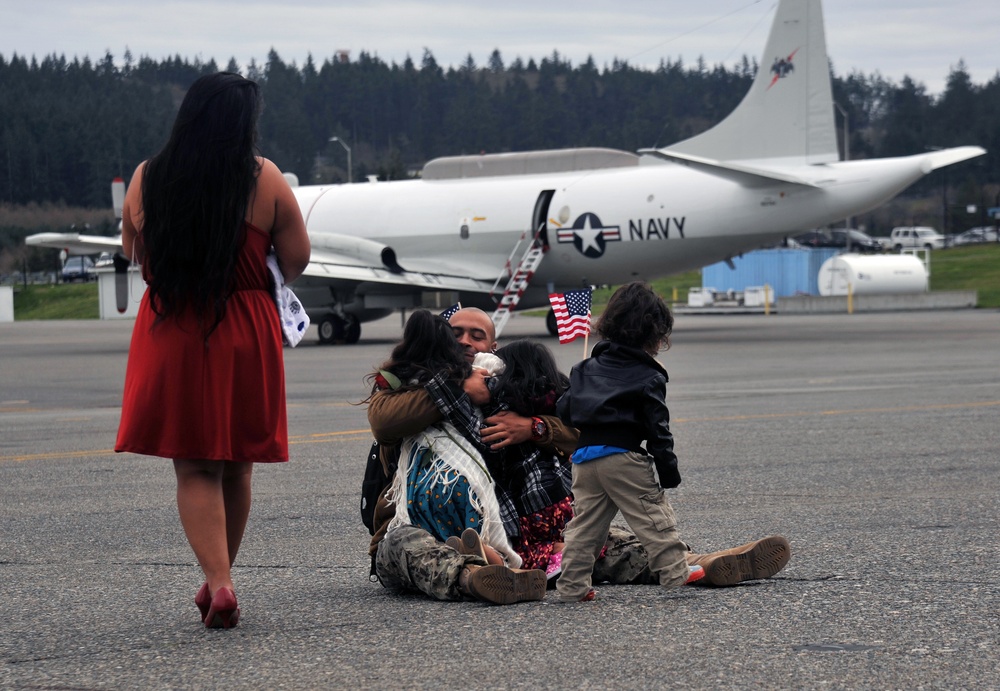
x,y
789,271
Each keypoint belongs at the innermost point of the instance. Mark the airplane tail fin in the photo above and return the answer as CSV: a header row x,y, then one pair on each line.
x,y
787,116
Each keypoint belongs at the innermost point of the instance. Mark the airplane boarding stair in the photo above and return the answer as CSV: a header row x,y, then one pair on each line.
x,y
519,279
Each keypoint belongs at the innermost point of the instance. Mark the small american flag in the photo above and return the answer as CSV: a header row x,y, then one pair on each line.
x,y
451,310
572,310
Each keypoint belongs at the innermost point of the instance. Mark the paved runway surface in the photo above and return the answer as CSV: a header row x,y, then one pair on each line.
x,y
871,441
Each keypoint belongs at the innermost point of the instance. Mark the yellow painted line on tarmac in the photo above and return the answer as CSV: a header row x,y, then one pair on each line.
x,y
333,404
56,455
349,435
322,438
849,411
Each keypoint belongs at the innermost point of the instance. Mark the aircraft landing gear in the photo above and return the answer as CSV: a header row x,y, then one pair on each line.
x,y
334,328
327,329
352,329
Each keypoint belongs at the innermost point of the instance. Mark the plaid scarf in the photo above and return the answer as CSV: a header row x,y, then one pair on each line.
x,y
528,479
535,478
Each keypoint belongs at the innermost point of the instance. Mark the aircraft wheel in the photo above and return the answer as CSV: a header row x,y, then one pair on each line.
x,y
336,329
550,323
330,329
352,329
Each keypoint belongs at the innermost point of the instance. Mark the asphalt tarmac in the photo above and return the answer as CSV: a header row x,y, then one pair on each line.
x,y
871,441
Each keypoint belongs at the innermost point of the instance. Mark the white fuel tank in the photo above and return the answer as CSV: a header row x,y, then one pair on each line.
x,y
868,274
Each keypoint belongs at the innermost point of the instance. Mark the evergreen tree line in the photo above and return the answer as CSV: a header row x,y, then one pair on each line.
x,y
68,127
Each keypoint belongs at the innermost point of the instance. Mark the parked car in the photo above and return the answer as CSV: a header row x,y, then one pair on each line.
x,y
915,237
105,259
813,238
976,235
860,242
78,269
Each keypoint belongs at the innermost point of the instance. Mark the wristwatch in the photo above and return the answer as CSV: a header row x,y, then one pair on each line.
x,y
538,429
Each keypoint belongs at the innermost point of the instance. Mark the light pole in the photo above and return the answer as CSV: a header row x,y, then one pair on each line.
x,y
847,157
348,150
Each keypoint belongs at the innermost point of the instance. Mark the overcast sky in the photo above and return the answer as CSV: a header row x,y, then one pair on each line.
x,y
920,38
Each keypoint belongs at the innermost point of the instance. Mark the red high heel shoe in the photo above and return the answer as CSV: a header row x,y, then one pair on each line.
x,y
224,613
204,600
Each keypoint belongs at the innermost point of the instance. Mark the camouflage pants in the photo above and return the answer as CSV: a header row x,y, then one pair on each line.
x,y
409,558
624,562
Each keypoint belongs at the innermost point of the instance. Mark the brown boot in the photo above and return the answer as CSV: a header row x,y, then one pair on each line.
x,y
757,559
473,544
455,543
500,585
469,543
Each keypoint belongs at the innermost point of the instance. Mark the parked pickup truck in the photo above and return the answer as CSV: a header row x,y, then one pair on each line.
x,y
914,237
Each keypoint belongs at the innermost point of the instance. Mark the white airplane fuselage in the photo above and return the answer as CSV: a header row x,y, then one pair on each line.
x,y
602,226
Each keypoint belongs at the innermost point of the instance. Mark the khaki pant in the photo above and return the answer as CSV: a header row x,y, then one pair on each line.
x,y
601,488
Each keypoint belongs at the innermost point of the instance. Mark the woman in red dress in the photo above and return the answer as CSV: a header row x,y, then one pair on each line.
x,y
205,381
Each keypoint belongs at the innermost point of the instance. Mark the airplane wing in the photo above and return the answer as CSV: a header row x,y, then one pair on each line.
x,y
343,269
74,243
350,265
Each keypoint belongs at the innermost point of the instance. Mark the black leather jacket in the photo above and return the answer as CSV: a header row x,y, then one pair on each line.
x,y
617,397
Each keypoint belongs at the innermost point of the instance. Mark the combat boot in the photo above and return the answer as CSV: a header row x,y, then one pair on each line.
x,y
501,585
757,559
469,543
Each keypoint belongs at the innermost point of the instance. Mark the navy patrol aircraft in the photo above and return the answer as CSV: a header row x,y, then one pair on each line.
x,y
501,231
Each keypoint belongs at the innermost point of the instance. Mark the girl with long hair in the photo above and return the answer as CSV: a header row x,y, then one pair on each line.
x,y
537,479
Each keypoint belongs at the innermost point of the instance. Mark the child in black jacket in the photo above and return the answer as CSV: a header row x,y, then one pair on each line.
x,y
617,399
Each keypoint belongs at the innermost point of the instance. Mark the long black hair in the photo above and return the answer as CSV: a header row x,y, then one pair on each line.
x,y
195,195
531,381
428,347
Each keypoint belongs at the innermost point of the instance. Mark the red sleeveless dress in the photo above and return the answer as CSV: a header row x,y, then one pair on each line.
x,y
220,400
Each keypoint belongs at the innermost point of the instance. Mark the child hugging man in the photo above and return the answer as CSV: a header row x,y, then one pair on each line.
x,y
617,399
